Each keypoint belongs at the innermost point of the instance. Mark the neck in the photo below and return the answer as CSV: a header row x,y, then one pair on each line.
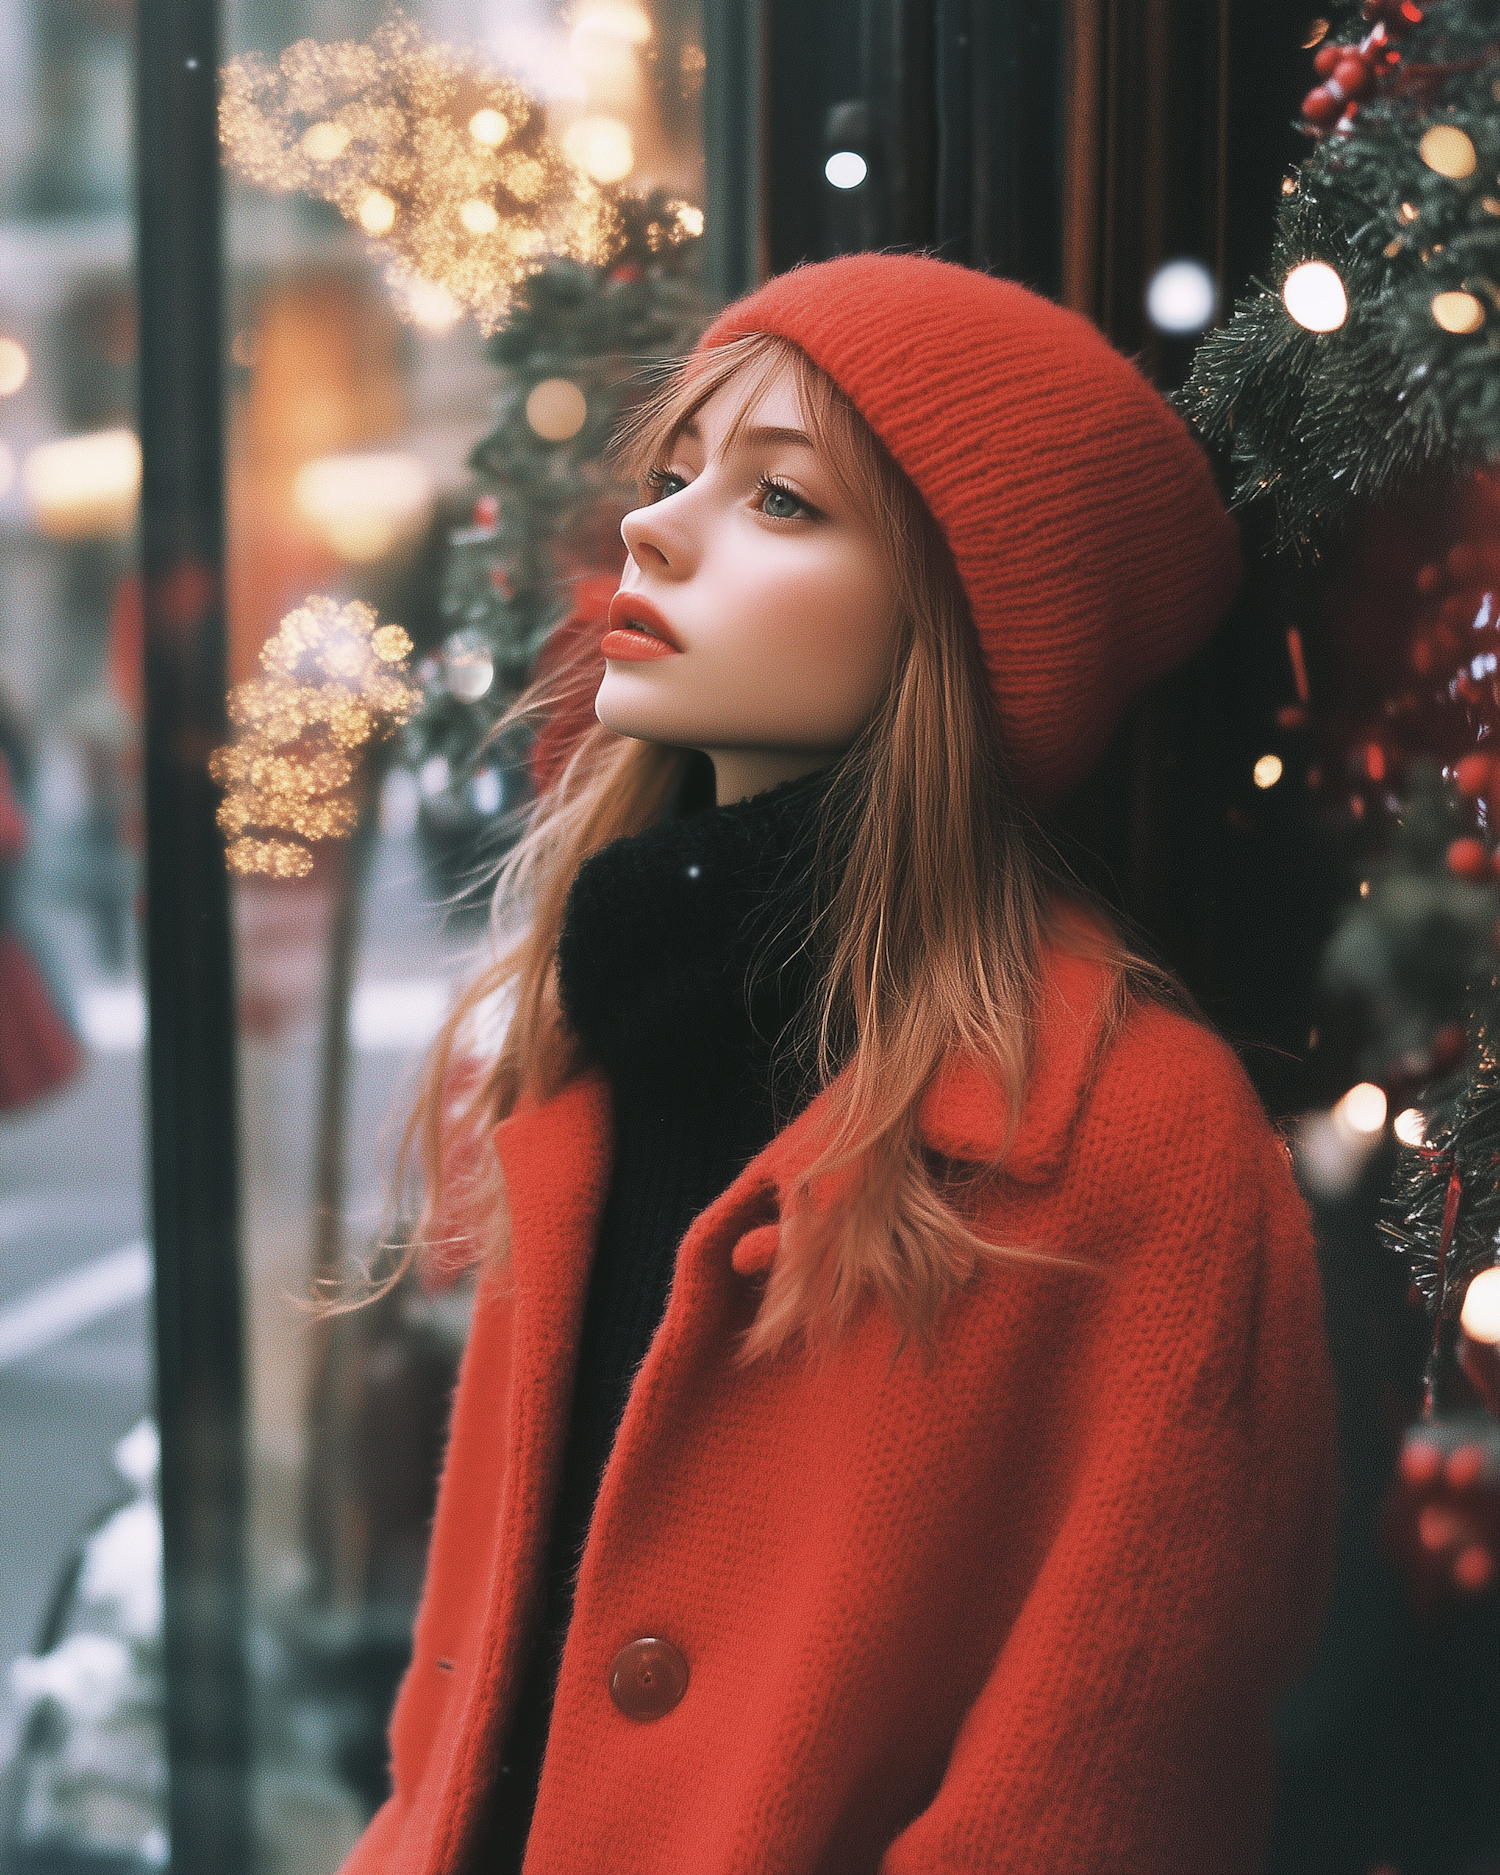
x,y
741,773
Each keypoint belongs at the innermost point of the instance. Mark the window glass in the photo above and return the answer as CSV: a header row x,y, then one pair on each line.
x,y
79,1542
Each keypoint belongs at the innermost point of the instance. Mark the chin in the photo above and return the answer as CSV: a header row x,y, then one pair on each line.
x,y
621,706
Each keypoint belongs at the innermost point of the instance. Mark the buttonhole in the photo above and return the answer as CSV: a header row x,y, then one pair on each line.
x,y
446,1665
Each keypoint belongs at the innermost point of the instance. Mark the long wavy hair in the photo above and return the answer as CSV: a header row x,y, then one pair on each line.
x,y
935,898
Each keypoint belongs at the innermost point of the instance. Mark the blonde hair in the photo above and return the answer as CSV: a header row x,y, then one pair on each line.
x,y
934,901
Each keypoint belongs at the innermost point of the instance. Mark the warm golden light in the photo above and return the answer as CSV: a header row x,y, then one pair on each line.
x,y
689,219
556,409
1480,1317
364,505
1458,312
84,486
479,217
434,145
427,304
625,25
15,366
1267,771
1314,296
1449,151
1363,1108
377,212
335,681
324,142
602,147
1410,1127
489,127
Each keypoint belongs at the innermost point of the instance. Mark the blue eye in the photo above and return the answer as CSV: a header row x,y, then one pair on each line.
x,y
663,483
778,503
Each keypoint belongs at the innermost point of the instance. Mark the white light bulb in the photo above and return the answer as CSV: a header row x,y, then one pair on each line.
x,y
1363,1108
846,169
1480,1319
1314,295
1182,297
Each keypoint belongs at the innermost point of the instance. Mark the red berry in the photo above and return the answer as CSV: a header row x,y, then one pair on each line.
x,y
1468,859
1429,578
1352,76
1421,656
1473,773
486,511
1325,58
1321,106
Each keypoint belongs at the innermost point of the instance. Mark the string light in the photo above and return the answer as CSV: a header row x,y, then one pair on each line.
x,y
1458,312
420,147
335,681
1449,151
489,127
1267,771
1480,1318
1314,296
1410,1127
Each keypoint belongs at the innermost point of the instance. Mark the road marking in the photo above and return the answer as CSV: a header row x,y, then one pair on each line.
x,y
53,1311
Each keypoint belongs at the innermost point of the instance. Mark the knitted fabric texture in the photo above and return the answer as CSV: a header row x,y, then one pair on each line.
x,y
682,966
1025,1607
1082,515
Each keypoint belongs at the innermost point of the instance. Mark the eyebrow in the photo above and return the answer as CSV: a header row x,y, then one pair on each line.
x,y
756,435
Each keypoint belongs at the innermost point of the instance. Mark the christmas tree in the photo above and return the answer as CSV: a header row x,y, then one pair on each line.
x,y
1365,368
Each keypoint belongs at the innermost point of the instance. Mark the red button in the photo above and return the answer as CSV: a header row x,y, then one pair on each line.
x,y
647,1679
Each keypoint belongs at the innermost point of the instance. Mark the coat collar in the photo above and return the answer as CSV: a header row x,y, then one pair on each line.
x,y
963,1113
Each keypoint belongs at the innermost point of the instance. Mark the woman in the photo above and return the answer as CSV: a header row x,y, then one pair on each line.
x,y
896,1431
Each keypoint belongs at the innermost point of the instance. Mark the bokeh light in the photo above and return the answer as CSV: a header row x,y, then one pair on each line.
x,y
1268,771
1480,1318
1182,297
1410,1126
82,487
1314,296
335,681
556,409
602,147
15,366
1458,312
1363,1108
419,146
364,506
846,169
1448,150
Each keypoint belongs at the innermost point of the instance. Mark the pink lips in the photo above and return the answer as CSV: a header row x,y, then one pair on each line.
x,y
638,632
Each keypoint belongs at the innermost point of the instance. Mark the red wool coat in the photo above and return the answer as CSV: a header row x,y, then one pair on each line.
x,y
1025,1609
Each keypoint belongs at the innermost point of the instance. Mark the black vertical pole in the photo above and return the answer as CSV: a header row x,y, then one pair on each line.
x,y
200,1391
734,240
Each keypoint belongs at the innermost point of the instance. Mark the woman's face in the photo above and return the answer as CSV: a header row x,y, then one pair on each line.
x,y
755,619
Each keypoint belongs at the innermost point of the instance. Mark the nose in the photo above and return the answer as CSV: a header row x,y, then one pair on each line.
x,y
656,539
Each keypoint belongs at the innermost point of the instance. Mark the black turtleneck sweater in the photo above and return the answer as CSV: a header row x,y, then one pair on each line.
x,y
682,965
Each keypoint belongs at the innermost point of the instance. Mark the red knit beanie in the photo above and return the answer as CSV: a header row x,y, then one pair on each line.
x,y
1089,537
